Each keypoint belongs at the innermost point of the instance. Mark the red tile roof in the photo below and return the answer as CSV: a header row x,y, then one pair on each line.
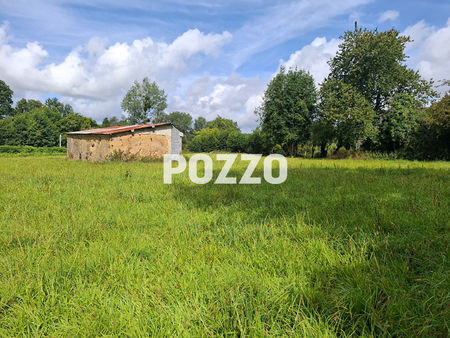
x,y
117,129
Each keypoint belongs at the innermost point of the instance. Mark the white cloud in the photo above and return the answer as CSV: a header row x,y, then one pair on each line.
x,y
314,57
430,49
418,33
232,97
93,76
389,15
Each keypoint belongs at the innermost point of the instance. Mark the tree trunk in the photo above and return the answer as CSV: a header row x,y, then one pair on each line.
x,y
323,150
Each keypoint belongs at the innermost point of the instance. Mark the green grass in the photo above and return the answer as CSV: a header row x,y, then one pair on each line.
x,y
343,247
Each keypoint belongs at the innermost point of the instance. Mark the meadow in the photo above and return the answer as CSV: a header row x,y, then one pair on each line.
x,y
342,248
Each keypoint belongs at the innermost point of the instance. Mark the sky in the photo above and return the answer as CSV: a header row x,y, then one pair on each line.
x,y
211,57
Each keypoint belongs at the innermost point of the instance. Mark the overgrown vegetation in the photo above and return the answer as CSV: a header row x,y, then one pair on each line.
x,y
342,248
27,150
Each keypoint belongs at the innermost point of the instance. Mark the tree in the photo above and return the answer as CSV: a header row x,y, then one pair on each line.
x,y
143,101
431,141
61,108
209,139
399,122
237,142
373,63
199,123
26,106
345,114
222,124
5,100
183,121
112,122
288,107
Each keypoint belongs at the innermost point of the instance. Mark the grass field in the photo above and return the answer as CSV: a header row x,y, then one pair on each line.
x,y
343,247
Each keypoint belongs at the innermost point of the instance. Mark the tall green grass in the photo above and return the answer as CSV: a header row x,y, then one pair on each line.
x,y
341,248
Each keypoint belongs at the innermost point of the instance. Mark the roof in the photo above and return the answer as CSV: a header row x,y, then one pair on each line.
x,y
117,129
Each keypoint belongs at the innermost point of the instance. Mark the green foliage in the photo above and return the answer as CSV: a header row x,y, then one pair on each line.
x,y
143,101
28,150
222,124
288,107
112,122
5,100
26,106
399,122
432,137
373,63
258,143
199,123
182,121
61,108
344,248
34,124
346,113
237,142
209,139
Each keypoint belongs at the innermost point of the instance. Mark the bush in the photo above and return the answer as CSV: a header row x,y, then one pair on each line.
x,y
31,150
237,142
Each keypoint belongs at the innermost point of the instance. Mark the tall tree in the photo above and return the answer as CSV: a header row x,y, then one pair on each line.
x,y
26,106
143,100
345,115
199,123
373,63
400,121
61,108
288,107
5,100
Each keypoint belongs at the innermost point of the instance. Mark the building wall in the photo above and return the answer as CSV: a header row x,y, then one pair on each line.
x,y
88,147
150,142
140,145
176,141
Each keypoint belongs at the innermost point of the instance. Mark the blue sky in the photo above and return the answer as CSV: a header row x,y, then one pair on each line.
x,y
210,57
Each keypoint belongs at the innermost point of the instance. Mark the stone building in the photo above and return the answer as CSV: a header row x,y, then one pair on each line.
x,y
141,141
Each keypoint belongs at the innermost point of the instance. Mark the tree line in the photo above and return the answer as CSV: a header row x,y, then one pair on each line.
x,y
33,123
370,101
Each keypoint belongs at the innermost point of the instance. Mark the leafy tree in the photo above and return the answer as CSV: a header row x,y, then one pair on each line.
x,y
431,141
61,108
112,122
322,134
399,122
183,121
144,100
373,63
345,114
258,143
289,104
26,106
199,123
74,122
43,128
5,100
6,131
237,142
207,140
223,124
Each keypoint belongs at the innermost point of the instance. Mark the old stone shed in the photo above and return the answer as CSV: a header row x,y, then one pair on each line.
x,y
145,140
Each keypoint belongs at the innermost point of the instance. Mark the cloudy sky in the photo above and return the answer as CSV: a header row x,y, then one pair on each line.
x,y
211,57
